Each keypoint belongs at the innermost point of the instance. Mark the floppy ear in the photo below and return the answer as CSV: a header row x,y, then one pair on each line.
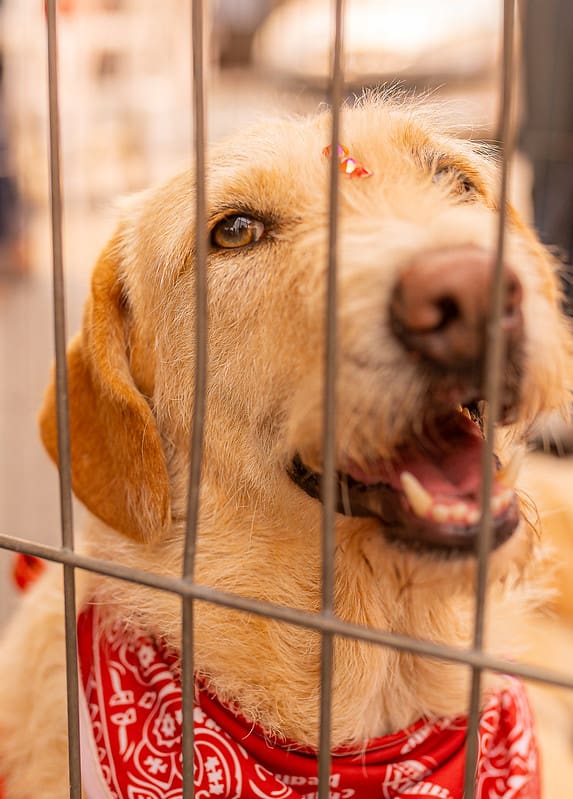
x,y
118,465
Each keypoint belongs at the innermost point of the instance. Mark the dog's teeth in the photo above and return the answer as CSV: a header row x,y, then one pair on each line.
x,y
502,501
419,499
466,413
473,516
509,473
459,512
423,505
440,513
496,504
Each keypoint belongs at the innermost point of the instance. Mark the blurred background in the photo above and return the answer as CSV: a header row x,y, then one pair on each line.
x,y
126,111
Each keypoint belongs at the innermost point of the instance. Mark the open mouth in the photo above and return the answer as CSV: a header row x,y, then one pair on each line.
x,y
429,494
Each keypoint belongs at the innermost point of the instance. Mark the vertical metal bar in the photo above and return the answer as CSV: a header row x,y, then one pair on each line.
x,y
494,364
329,417
62,408
188,684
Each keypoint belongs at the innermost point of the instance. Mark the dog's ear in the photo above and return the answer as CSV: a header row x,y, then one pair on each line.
x,y
118,465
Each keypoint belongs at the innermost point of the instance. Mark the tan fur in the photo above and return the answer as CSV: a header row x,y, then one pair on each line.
x,y
119,468
131,388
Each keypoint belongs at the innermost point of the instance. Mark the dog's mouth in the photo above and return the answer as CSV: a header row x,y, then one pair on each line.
x,y
429,494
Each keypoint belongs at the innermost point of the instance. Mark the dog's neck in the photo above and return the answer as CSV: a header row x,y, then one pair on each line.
x,y
131,686
375,689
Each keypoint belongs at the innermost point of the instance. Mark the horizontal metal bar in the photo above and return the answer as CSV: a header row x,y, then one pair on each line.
x,y
299,618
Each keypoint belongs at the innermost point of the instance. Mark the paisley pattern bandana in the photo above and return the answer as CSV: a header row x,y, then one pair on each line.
x,y
131,740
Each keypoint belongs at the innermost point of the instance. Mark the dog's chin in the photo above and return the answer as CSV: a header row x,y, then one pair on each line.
x,y
427,496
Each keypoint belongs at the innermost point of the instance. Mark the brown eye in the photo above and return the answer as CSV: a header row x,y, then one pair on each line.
x,y
236,231
456,181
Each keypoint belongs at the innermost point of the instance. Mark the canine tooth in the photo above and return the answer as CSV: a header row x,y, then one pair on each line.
x,y
508,474
440,513
466,413
503,500
458,512
473,516
419,499
496,504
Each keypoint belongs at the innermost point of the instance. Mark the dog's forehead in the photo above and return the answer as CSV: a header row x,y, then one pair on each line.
x,y
277,171
284,157
374,126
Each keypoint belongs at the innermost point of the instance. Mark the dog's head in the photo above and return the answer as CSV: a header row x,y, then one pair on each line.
x,y
416,260
416,251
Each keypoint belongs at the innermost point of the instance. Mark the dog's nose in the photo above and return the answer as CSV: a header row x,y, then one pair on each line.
x,y
441,304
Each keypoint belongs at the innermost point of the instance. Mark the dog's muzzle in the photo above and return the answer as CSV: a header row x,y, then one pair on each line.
x,y
428,494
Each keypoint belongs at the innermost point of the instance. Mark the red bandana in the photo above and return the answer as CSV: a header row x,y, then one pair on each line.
x,y
131,740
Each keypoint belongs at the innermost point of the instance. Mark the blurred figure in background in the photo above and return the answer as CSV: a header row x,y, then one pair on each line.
x,y
236,22
12,258
547,135
547,140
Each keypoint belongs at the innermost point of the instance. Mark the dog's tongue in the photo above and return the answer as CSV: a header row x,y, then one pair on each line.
x,y
430,491
447,464
429,494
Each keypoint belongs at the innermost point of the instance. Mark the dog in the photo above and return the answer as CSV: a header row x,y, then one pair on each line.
x,y
417,234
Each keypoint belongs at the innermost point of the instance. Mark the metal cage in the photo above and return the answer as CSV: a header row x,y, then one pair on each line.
x,y
325,621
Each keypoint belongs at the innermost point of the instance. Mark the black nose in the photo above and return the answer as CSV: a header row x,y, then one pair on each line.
x,y
440,306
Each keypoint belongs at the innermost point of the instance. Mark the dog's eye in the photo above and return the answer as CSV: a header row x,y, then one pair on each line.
x,y
237,231
455,180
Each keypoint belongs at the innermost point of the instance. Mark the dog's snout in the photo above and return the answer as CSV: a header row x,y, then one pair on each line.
x,y
441,304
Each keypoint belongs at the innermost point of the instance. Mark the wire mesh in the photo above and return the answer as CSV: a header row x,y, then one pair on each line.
x,y
324,622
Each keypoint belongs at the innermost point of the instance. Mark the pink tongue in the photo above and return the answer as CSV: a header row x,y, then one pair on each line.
x,y
447,464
